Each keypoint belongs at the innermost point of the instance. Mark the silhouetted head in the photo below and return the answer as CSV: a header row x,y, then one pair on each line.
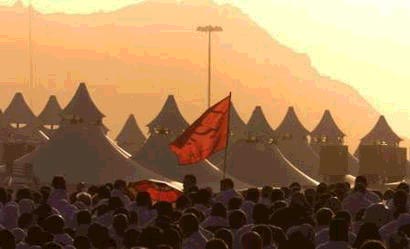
x,y
226,184
234,203
266,192
189,224
368,231
338,230
54,224
279,237
25,221
277,195
237,219
388,195
265,233
143,199
189,182
260,214
216,244
83,217
59,182
361,180
115,203
120,223
400,202
374,244
252,194
182,202
324,216
151,237
172,237
82,242
251,240
198,214
225,235
120,185
164,208
218,209
344,215
295,187
130,238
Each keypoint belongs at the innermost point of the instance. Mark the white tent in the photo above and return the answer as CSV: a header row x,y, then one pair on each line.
x,y
293,143
261,164
84,153
156,156
131,137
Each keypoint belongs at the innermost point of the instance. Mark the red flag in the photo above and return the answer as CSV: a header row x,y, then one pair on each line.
x,y
207,135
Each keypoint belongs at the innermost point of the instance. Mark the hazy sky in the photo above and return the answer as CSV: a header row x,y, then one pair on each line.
x,y
365,43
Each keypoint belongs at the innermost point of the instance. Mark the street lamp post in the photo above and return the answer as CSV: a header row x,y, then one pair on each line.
x,y
209,29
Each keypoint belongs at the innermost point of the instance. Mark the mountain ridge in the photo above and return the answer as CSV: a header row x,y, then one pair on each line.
x,y
129,46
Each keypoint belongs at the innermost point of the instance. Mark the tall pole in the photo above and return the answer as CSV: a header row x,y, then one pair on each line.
x,y
30,45
209,68
209,29
227,138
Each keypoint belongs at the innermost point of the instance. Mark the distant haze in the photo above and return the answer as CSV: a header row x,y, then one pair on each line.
x,y
365,43
151,49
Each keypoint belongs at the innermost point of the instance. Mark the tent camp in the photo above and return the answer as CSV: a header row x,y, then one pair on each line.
x,y
328,133
292,139
80,151
130,137
157,156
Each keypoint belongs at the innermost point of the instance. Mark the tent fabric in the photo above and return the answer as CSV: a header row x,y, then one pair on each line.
x,y
237,130
156,156
291,125
18,111
169,118
381,132
353,162
51,113
82,106
264,164
302,155
327,127
131,137
83,153
258,126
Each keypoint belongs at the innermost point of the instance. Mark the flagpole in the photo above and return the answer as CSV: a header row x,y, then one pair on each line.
x,y
227,138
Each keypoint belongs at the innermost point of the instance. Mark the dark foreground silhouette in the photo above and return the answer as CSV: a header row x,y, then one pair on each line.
x,y
113,216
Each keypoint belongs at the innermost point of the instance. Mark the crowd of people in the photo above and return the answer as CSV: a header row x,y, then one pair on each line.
x,y
329,216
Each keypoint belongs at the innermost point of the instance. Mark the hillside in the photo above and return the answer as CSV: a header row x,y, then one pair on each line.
x,y
151,49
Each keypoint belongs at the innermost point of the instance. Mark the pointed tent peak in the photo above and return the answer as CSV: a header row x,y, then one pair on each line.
x,y
291,125
327,127
258,124
82,106
381,132
50,115
18,111
130,132
169,118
